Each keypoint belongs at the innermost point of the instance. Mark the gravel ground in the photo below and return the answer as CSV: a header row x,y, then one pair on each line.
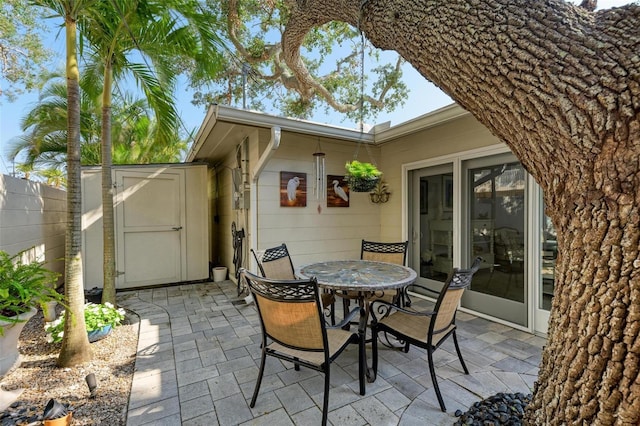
x,y
112,363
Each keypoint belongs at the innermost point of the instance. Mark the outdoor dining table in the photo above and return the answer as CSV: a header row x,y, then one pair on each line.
x,y
366,277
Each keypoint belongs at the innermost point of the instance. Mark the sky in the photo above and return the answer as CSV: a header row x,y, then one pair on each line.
x,y
424,97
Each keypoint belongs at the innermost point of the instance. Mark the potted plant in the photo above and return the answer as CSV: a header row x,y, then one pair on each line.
x,y
362,177
24,286
100,319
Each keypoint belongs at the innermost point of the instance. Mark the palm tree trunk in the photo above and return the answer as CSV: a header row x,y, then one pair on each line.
x,y
75,343
108,227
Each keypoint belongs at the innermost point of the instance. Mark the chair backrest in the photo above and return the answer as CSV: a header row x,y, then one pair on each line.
x,y
275,263
384,252
450,296
290,311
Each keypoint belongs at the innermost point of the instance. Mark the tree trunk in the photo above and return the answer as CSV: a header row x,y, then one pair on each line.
x,y
561,87
75,343
108,226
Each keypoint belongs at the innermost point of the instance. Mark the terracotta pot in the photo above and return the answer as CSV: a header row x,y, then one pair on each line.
x,y
61,421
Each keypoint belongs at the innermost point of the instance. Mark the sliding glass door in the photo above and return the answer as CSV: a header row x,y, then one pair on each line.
x,y
432,242
485,206
494,218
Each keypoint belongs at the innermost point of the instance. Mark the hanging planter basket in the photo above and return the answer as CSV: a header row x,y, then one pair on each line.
x,y
361,184
362,177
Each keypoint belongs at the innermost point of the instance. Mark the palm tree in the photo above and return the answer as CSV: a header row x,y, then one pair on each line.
x,y
54,177
134,130
44,144
161,33
75,343
44,141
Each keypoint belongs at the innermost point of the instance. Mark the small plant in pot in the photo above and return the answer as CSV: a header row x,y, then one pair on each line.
x,y
24,286
362,177
100,319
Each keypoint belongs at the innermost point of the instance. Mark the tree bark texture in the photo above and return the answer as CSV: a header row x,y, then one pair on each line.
x,y
108,225
75,343
560,85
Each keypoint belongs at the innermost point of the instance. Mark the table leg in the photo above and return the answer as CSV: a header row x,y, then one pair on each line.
x,y
362,330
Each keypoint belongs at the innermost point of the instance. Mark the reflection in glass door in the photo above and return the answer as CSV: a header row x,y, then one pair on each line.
x,y
495,230
432,223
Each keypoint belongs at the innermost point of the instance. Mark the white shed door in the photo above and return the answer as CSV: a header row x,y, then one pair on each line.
x,y
150,233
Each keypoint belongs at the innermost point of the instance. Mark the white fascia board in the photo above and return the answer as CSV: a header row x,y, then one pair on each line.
x,y
259,119
431,119
204,130
379,135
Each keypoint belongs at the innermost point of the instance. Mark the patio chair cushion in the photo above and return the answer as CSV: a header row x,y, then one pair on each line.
x,y
336,339
415,327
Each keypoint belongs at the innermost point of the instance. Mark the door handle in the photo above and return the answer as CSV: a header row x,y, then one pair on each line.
x,y
177,228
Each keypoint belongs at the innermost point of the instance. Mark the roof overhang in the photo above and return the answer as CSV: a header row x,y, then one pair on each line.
x,y
423,122
225,127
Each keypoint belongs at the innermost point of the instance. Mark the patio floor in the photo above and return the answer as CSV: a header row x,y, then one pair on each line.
x,y
198,358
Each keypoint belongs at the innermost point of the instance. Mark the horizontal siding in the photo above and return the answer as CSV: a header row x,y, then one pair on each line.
x,y
33,215
222,240
317,232
311,234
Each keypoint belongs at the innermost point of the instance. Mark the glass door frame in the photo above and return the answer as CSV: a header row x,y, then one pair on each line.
x,y
539,317
506,307
456,160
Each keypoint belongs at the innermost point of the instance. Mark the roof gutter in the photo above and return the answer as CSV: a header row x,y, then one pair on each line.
x,y
425,121
258,119
272,147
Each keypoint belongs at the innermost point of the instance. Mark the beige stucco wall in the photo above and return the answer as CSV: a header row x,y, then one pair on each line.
x,y
33,215
455,136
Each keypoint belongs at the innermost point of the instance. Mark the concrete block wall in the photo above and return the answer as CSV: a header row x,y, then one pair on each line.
x,y
33,216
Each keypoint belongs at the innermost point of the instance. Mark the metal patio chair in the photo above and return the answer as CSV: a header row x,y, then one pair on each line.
x,y
294,330
381,252
426,330
276,263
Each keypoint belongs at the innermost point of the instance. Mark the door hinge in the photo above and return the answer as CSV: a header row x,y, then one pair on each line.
x,y
118,273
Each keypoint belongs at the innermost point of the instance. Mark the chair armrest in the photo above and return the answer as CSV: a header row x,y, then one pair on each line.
x,y
347,319
386,308
427,289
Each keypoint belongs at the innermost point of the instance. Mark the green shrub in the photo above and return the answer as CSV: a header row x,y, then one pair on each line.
x,y
24,286
96,316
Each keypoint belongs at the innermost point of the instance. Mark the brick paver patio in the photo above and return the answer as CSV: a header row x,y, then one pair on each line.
x,y
198,358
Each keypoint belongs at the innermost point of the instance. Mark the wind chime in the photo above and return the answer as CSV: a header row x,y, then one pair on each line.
x,y
321,179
